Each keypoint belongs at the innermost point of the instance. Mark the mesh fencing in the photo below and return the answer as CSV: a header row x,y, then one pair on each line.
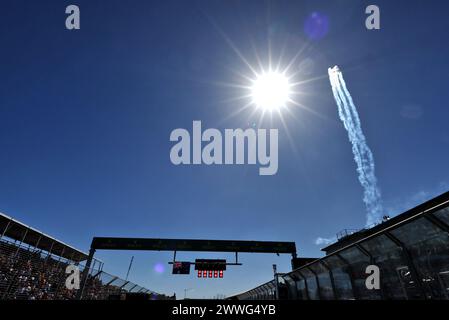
x,y
27,273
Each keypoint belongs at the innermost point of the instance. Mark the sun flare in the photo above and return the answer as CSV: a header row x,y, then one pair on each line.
x,y
270,91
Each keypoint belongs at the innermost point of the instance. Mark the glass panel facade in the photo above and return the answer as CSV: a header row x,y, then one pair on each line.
x,y
413,259
342,278
291,288
312,287
429,247
358,262
301,290
443,215
396,280
324,281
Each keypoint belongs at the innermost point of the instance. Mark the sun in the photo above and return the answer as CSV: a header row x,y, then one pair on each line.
x,y
270,91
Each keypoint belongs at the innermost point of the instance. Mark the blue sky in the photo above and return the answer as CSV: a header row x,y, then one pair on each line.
x,y
86,115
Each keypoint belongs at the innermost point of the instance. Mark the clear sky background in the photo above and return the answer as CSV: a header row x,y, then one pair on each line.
x,y
85,120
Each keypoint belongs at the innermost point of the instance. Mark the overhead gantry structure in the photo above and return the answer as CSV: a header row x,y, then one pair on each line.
x,y
152,244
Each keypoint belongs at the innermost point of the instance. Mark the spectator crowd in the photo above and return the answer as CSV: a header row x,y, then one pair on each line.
x,y
27,274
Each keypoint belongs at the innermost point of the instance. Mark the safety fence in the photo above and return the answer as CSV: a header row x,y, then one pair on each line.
x,y
27,273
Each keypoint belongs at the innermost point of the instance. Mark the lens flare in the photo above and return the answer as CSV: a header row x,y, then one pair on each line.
x,y
316,26
159,268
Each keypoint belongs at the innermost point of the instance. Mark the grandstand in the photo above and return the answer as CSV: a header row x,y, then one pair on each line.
x,y
33,265
411,251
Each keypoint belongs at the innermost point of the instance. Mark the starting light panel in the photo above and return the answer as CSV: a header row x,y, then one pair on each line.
x,y
210,264
210,274
210,268
181,267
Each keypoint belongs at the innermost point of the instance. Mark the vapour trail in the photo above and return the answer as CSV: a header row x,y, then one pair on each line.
x,y
362,154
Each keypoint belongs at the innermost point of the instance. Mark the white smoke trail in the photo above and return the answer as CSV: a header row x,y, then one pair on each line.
x,y
362,153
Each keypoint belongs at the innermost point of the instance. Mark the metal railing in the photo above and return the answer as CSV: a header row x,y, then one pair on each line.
x,y
27,273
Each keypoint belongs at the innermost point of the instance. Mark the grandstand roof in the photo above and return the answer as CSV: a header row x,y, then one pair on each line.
x,y
19,231
413,213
